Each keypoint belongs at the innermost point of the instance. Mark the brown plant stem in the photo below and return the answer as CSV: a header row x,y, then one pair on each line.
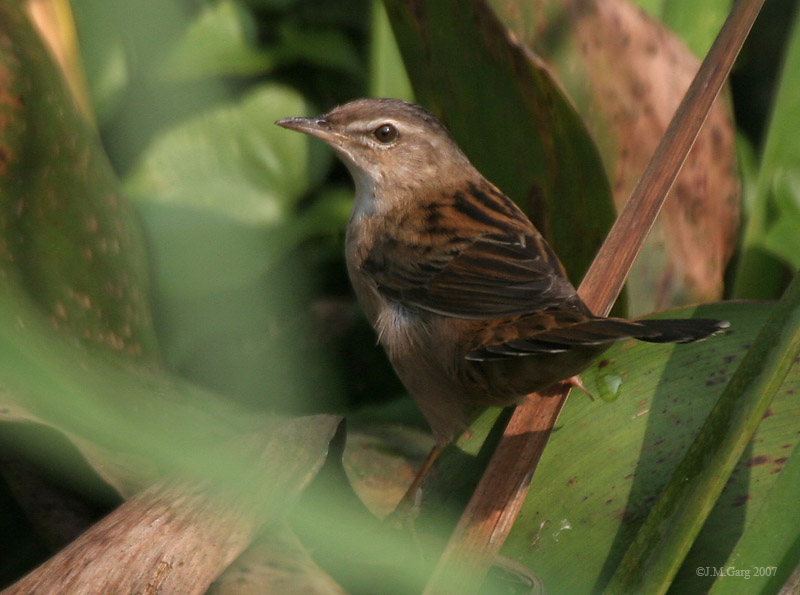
x,y
178,535
497,500
168,539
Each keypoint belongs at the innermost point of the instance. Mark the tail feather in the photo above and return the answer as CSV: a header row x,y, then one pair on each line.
x,y
680,330
598,332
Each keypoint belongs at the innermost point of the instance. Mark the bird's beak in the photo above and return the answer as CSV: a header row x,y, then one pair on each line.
x,y
319,127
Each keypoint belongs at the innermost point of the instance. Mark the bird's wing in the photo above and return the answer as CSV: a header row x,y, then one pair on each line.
x,y
476,256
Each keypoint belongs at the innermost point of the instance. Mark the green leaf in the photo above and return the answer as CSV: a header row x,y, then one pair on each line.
x,y
510,117
321,46
783,240
757,274
68,240
119,43
783,236
696,22
233,161
660,546
221,41
388,76
77,348
766,554
748,168
234,314
218,197
131,422
608,460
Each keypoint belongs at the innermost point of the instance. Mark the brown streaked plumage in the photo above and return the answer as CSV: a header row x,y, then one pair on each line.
x,y
469,301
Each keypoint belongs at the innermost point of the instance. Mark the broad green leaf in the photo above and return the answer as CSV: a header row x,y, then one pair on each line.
x,y
664,539
766,554
606,463
758,274
609,459
221,41
232,320
218,196
510,117
232,161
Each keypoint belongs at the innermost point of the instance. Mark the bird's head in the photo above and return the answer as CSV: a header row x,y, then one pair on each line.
x,y
394,149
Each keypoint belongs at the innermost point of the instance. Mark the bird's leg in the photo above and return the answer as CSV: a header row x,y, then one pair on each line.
x,y
409,500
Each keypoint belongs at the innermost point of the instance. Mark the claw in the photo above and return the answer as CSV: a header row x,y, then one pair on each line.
x,y
576,382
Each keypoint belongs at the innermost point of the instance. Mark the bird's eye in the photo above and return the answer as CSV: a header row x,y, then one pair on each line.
x,y
385,133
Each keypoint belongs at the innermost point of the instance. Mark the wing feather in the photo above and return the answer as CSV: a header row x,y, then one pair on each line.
x,y
489,262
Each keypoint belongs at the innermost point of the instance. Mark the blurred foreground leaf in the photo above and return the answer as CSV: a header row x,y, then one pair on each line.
x,y
77,349
179,534
276,563
130,422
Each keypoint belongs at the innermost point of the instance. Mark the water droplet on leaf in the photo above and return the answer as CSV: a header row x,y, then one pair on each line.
x,y
609,383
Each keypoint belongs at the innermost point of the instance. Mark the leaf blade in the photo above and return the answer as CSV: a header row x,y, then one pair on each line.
x,y
662,543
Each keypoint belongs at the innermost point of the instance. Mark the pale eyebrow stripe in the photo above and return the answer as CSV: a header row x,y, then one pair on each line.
x,y
375,122
372,124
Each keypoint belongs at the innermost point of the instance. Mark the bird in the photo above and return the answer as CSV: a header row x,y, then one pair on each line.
x,y
470,303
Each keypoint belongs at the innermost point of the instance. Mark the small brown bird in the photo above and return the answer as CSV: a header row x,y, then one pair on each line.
x,y
470,303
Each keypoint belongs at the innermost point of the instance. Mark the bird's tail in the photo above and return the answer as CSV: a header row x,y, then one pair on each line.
x,y
684,330
599,331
